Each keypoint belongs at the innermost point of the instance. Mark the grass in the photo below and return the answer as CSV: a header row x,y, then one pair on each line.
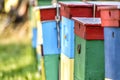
x,y
17,62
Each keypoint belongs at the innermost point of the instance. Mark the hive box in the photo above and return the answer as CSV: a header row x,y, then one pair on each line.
x,y
49,32
89,51
112,53
68,10
89,28
111,17
76,9
47,13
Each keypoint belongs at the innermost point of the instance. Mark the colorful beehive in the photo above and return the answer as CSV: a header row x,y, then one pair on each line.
x,y
33,31
49,29
67,68
51,64
51,52
111,24
112,56
89,49
97,4
68,10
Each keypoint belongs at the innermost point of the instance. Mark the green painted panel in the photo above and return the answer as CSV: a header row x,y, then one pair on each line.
x,y
95,60
76,78
89,63
79,60
52,66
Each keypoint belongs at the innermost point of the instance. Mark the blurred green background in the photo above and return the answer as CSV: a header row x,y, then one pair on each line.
x,y
17,62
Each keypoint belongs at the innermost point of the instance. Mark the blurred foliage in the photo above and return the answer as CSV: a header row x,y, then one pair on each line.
x,y
17,62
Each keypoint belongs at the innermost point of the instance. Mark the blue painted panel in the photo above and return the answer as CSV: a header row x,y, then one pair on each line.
x,y
67,41
112,53
50,37
34,37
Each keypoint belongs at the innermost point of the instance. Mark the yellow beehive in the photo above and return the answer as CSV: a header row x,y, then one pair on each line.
x,y
67,68
43,69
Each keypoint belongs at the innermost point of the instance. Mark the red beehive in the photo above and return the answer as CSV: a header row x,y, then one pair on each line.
x,y
97,4
76,9
47,13
89,28
110,16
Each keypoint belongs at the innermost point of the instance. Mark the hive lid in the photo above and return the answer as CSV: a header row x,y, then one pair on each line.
x,y
45,7
87,21
88,28
75,4
109,7
104,2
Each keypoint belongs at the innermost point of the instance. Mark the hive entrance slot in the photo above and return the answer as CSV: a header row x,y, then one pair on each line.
x,y
113,34
79,48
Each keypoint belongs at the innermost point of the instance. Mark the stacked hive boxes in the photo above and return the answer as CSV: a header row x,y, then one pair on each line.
x,y
68,10
81,9
111,24
50,56
89,49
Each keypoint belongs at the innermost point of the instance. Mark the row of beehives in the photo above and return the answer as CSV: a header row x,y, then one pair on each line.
x,y
89,39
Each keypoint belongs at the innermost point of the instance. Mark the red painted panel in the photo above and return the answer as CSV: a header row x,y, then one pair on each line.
x,y
48,14
110,16
83,9
89,29
97,4
79,9
94,32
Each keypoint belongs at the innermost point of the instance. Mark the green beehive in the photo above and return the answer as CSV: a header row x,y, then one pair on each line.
x,y
89,63
89,51
51,63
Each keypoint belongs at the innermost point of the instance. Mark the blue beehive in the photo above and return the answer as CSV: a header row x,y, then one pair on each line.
x,y
50,37
112,53
34,37
67,42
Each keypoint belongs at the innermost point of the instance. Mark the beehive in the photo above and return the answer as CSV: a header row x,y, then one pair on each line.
x,y
111,26
89,49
